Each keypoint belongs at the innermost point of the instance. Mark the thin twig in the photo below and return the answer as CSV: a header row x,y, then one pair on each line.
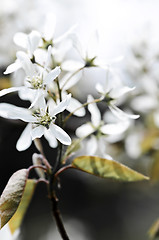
x,y
83,105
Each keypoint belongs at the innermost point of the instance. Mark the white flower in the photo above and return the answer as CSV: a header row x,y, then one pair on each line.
x,y
89,54
29,42
41,122
37,79
97,129
73,105
111,92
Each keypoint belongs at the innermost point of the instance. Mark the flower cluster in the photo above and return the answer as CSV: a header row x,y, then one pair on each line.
x,y
46,83
45,78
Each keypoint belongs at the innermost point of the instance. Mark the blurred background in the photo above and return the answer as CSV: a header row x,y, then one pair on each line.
x,y
92,208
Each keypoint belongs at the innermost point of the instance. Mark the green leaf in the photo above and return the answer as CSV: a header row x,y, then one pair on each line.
x,y
17,218
12,195
75,146
154,230
105,168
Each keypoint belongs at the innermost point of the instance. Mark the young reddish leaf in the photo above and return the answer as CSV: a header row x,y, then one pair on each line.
x,y
12,195
17,218
105,168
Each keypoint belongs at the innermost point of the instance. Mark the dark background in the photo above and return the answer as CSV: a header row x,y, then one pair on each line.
x,y
96,209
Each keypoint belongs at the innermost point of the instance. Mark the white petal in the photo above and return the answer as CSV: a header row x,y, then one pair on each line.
x,y
102,148
118,92
52,75
65,35
60,134
74,104
95,113
144,103
51,105
13,67
25,140
48,56
20,39
12,112
84,130
9,90
100,88
120,114
69,80
72,65
115,128
92,145
77,45
26,63
93,43
50,138
132,145
38,100
26,93
33,41
62,105
37,132
49,26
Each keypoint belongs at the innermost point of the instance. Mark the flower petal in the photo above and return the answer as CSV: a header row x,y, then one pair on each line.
x,y
60,134
84,130
33,41
72,65
91,146
52,75
25,140
9,90
115,128
62,105
74,104
120,91
69,80
95,113
120,114
38,98
13,112
100,88
50,138
49,26
93,43
37,132
13,67
26,63
20,39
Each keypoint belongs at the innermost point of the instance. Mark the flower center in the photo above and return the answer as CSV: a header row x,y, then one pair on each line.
x,y
44,120
36,82
90,62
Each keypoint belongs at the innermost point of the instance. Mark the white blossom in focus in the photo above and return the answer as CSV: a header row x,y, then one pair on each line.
x,y
41,121
37,80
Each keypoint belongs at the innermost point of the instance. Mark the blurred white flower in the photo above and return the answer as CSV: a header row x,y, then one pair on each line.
x,y
28,42
98,130
111,91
